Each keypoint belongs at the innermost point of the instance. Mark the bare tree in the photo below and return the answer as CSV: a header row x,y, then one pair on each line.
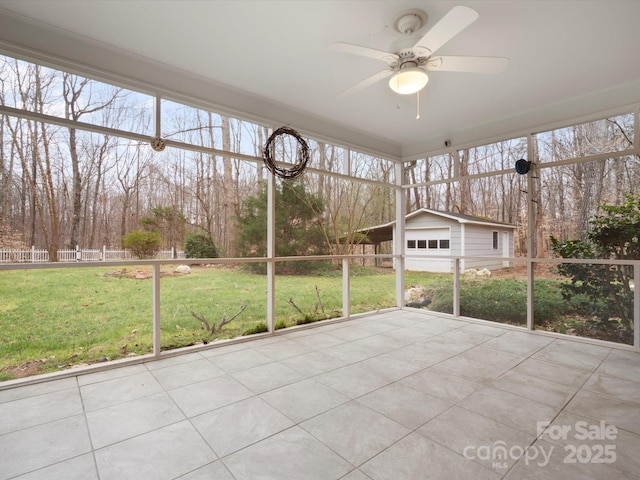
x,y
231,206
78,102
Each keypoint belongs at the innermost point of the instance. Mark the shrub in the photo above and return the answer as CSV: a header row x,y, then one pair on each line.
x,y
501,300
604,293
142,243
200,245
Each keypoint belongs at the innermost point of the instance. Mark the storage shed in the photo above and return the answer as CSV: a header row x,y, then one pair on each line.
x,y
432,234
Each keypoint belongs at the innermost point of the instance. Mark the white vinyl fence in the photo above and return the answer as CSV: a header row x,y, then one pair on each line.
x,y
35,255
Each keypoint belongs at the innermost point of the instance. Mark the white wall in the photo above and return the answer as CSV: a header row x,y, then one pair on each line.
x,y
464,239
479,242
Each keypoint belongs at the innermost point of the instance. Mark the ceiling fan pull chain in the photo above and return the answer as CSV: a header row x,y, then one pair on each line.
x,y
418,105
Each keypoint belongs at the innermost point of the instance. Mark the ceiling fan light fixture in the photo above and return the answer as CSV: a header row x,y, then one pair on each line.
x,y
408,80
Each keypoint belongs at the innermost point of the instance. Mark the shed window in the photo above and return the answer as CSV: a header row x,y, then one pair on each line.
x,y
422,244
411,244
495,240
433,243
444,243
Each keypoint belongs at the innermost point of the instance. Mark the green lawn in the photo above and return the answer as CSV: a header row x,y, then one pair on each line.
x,y
54,318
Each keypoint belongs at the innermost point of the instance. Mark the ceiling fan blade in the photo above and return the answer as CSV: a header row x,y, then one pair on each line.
x,y
364,51
449,26
365,83
450,63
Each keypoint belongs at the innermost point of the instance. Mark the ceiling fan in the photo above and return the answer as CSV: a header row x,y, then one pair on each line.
x,y
407,66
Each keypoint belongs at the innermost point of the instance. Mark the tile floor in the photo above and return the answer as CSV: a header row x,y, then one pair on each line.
x,y
400,395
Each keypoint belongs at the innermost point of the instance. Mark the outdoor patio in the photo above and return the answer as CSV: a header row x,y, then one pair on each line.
x,y
398,395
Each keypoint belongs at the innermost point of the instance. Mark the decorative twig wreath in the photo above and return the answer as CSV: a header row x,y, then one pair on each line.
x,y
302,154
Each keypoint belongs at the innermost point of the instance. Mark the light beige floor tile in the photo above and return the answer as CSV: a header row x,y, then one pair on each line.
x,y
475,437
416,457
513,410
382,342
390,366
172,361
119,390
82,467
220,348
471,368
303,400
483,329
240,360
236,426
623,415
125,420
518,343
349,333
535,388
355,475
356,431
554,464
622,364
597,442
405,405
267,377
313,363
202,397
24,391
423,354
442,385
469,338
35,410
360,385
283,349
212,471
350,352
564,375
616,387
353,380
580,356
162,454
319,341
299,456
36,447
185,373
110,374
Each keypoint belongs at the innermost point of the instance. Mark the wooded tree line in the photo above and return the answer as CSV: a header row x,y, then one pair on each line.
x,y
564,197
62,186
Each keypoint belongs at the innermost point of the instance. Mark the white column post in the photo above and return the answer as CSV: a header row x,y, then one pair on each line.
x,y
346,288
271,253
530,236
456,287
399,234
156,310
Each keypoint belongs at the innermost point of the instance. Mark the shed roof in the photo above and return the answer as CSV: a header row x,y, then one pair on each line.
x,y
384,232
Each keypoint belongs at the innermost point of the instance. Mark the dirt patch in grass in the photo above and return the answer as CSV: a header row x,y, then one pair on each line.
x,y
27,369
141,273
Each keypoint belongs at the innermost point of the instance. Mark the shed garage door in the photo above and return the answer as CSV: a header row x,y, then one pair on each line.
x,y
424,245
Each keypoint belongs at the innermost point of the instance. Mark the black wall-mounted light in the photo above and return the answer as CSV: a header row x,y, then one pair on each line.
x,y
522,166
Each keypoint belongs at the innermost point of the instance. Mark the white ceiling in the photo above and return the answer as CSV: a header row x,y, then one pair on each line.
x,y
568,58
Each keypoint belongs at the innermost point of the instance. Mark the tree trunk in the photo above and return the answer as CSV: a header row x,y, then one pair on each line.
x,y
230,201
